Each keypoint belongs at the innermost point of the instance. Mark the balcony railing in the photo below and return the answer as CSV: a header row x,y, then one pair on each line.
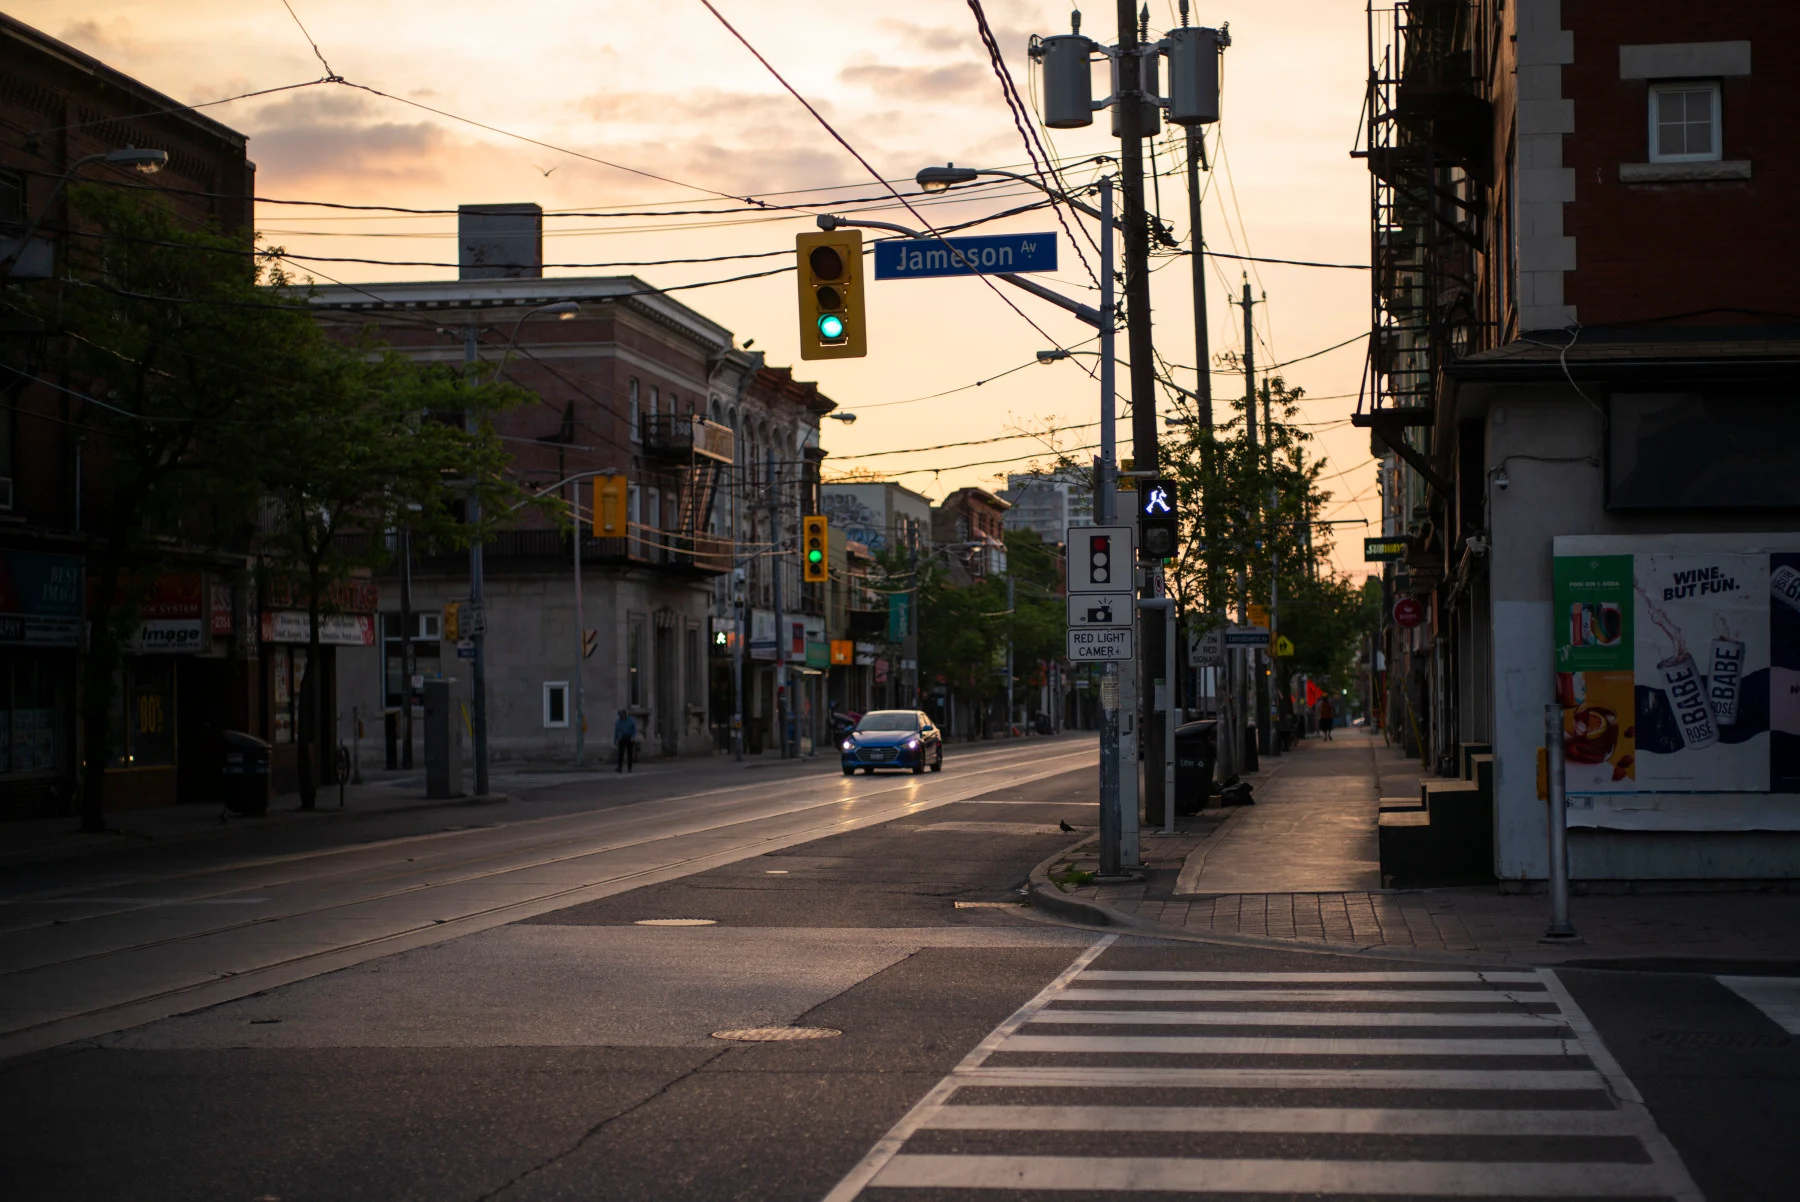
x,y
682,435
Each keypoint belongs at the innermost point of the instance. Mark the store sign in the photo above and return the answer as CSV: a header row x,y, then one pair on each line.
x,y
1384,550
1408,612
169,636
335,630
219,607
40,599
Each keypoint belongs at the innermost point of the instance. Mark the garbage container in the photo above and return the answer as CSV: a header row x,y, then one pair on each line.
x,y
246,773
1250,747
1196,751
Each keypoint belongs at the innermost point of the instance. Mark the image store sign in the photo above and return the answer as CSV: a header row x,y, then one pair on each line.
x,y
1678,670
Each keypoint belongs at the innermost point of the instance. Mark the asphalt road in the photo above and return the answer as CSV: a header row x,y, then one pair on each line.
x,y
966,1050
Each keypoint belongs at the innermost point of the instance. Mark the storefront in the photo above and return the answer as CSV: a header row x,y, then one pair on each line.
x,y
349,621
40,634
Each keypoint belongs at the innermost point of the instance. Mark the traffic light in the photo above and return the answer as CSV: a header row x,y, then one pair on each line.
x,y
452,625
831,302
814,568
1157,532
609,506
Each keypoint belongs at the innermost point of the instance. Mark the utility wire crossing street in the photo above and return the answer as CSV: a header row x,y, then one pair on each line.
x,y
1320,1090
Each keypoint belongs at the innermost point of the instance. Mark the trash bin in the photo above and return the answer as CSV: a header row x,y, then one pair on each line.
x,y
1196,751
246,773
1250,756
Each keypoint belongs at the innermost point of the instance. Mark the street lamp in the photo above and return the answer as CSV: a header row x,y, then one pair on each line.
x,y
144,161
563,311
846,418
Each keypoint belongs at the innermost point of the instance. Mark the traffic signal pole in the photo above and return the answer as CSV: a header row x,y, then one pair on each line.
x,y
478,665
1128,108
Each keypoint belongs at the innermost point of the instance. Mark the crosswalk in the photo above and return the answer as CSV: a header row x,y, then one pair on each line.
x,y
1429,1084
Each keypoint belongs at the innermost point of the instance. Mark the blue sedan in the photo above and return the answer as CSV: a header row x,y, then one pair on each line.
x,y
893,739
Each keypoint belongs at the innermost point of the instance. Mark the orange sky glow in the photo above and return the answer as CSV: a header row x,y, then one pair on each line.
x,y
664,89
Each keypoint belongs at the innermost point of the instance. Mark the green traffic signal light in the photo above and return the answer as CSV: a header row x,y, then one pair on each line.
x,y
815,555
831,327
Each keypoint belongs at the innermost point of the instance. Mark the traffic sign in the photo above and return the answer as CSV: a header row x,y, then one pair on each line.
x,y
1206,650
1284,646
1100,609
1100,643
1259,615
1408,612
1246,636
988,254
1100,558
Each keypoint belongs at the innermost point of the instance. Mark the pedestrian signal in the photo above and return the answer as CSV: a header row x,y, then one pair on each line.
x,y
1157,519
609,506
829,265
813,547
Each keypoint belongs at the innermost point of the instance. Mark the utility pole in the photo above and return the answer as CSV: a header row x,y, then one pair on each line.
x,y
739,611
580,630
1009,648
783,703
1129,110
406,645
477,669
1252,522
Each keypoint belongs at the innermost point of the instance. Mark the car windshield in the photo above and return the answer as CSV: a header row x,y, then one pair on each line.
x,y
889,720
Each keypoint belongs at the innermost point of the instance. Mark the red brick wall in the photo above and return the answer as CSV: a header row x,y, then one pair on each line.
x,y
1645,251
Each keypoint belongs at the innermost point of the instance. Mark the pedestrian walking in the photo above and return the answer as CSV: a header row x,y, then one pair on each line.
x,y
625,739
1326,716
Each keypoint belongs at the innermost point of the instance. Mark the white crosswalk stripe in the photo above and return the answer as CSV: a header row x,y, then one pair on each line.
x,y
1487,1084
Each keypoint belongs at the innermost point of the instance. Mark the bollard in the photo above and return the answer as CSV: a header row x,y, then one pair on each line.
x,y
1560,927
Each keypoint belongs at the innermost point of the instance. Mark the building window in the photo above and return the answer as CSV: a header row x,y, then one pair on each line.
x,y
655,400
143,716
696,667
556,703
1684,122
427,630
633,407
28,713
634,661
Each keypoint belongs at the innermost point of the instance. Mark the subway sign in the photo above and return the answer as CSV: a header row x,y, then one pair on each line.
x,y
1384,550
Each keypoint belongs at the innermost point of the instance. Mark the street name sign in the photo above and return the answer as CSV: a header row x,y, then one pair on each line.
x,y
1247,636
988,254
1100,609
1100,559
1100,643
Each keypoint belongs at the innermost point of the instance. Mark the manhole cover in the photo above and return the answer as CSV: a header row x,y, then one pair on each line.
x,y
676,922
777,1034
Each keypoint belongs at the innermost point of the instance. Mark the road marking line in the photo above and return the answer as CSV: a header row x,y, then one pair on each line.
x,y
1323,978
1203,1045
1630,1101
1298,1018
1273,1119
1067,1076
889,1145
1777,997
1492,997
1434,1179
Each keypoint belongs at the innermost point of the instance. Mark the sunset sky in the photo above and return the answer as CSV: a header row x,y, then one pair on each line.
x,y
664,89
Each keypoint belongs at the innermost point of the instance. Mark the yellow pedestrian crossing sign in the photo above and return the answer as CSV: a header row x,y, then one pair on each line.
x,y
1283,646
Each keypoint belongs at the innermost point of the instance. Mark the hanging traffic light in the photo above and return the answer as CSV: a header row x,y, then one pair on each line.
x,y
813,546
609,506
829,265
1157,529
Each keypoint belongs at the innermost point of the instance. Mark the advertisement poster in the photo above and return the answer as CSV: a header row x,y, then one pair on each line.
x,y
1678,670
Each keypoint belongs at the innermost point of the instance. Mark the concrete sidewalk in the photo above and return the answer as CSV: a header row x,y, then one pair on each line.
x,y
1299,868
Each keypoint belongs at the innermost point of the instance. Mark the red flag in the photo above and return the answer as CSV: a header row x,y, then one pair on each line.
x,y
1313,694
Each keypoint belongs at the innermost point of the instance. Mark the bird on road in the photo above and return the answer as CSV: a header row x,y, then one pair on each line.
x,y
1064,825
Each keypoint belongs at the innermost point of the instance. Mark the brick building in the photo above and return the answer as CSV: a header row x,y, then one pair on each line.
x,y
195,670
1584,359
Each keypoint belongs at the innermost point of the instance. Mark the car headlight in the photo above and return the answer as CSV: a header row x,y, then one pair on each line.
x,y
849,744
913,743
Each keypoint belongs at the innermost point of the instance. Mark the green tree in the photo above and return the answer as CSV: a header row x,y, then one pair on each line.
x,y
378,442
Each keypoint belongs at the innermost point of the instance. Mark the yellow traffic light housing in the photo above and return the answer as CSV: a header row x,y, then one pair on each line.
x,y
609,506
815,556
829,265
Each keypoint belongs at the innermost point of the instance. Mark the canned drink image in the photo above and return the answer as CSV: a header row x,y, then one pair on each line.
x,y
1577,625
1784,583
1725,679
1693,714
1571,689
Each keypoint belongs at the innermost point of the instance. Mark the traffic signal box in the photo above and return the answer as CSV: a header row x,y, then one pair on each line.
x,y
1103,566
1157,530
814,558
609,506
830,268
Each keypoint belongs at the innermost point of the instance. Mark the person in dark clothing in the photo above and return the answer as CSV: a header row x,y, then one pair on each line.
x,y
625,739
1326,715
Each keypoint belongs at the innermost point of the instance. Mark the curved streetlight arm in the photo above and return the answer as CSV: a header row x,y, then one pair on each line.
x,y
550,488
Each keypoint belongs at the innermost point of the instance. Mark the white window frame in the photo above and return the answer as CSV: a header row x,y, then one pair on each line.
x,y
632,388
1657,88
556,686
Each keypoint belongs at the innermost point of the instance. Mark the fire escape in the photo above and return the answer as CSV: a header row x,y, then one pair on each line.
x,y
697,452
1430,155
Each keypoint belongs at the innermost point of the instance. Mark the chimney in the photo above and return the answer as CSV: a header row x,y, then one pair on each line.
x,y
500,242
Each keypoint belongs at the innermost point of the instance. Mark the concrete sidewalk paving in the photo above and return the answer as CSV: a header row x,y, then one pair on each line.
x,y
1298,868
